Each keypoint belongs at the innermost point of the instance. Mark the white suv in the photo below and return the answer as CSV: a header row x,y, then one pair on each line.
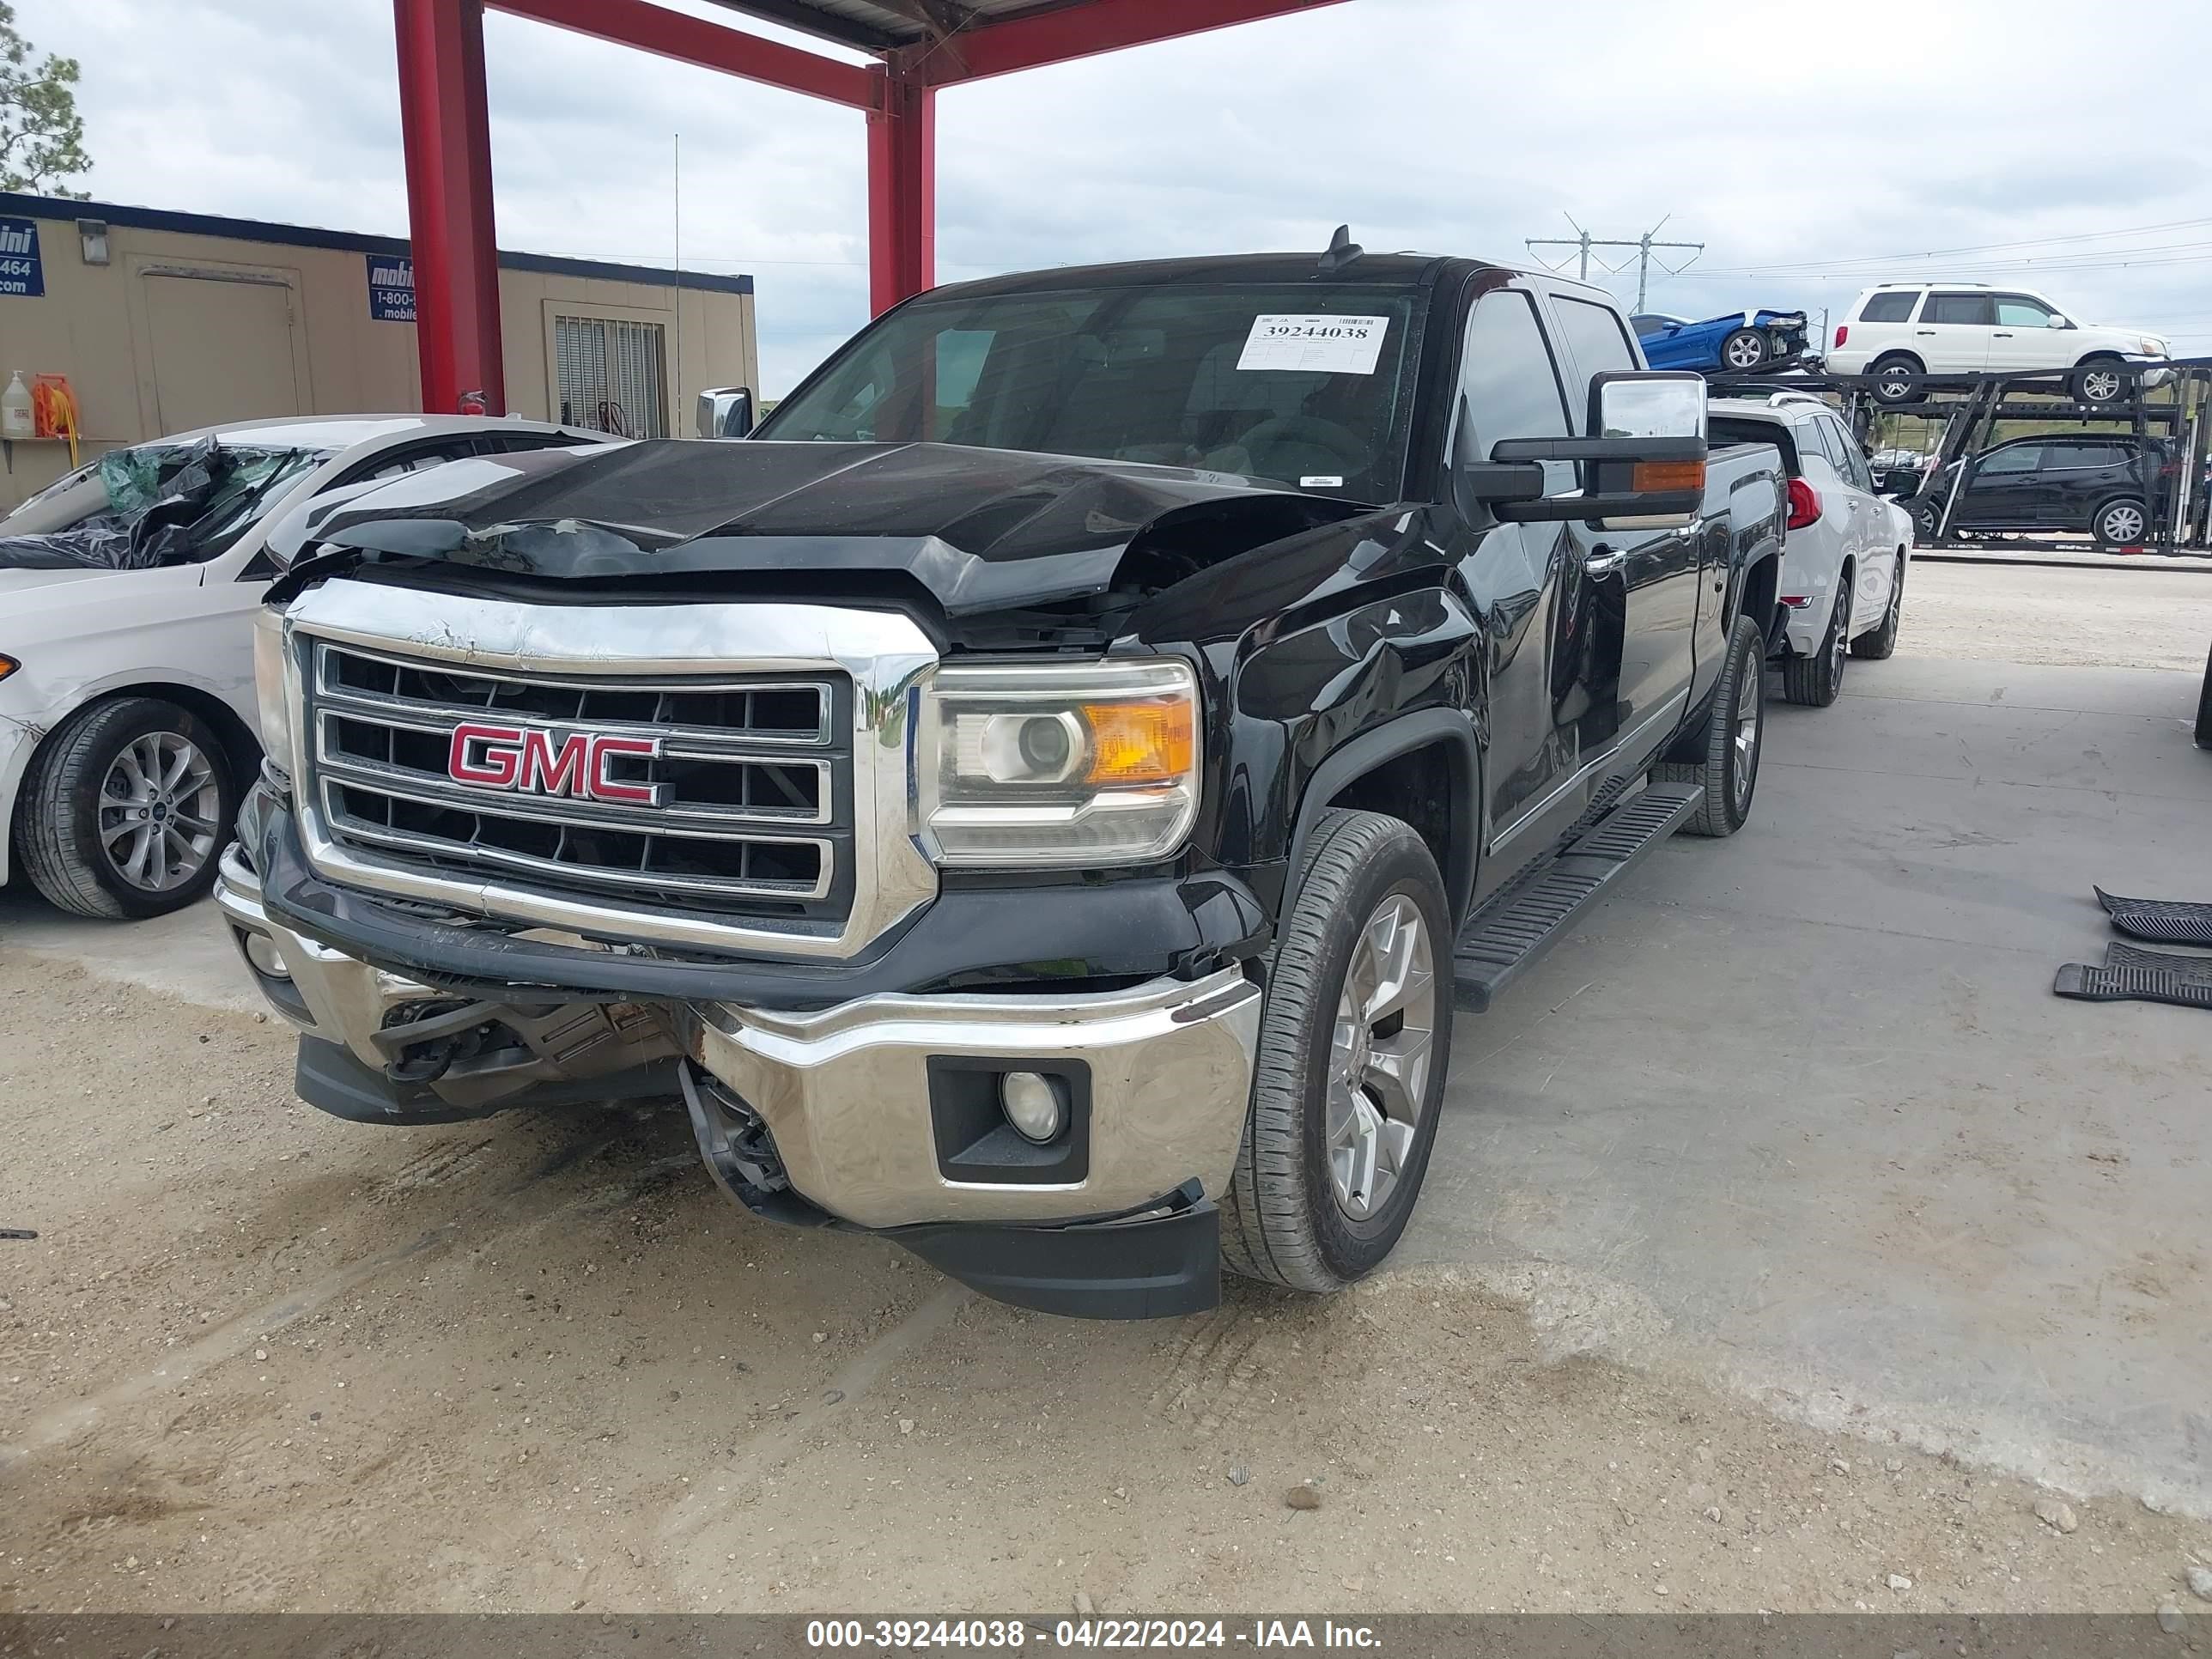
x,y
1843,559
1899,329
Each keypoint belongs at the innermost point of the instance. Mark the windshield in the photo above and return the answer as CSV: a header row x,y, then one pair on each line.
x,y
1306,384
154,504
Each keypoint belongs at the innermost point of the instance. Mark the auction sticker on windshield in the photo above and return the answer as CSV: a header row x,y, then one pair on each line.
x,y
1315,345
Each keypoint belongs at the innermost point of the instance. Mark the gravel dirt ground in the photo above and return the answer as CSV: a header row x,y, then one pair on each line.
x,y
260,1359
2090,616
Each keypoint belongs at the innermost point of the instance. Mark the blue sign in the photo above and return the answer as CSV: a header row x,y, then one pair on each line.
x,y
19,270
391,287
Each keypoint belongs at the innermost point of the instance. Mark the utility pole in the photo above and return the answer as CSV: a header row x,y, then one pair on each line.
x,y
1583,242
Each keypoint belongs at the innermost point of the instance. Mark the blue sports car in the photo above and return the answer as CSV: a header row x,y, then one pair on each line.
x,y
1742,343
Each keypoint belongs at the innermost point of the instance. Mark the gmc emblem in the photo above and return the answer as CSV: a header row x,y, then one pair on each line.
x,y
526,760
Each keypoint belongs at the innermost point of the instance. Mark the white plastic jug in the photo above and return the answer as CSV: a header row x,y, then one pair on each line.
x,y
16,409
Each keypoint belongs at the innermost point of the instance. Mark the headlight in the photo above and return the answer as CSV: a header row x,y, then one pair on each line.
x,y
2153,348
7,665
275,710
1057,763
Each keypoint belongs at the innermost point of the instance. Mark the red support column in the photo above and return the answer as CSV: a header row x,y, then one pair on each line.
x,y
901,192
447,138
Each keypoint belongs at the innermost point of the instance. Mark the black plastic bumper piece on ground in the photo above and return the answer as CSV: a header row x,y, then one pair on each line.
x,y
1159,1268
330,1079
2161,921
1524,918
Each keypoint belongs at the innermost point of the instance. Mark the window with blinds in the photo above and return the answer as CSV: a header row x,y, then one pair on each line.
x,y
610,375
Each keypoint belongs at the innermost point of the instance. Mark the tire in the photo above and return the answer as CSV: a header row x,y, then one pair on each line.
x,y
1743,350
1282,1218
1730,772
79,790
2121,522
1927,520
1880,645
2100,382
2204,709
1893,378
1818,680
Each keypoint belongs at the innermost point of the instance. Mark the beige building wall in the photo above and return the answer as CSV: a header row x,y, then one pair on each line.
x,y
187,327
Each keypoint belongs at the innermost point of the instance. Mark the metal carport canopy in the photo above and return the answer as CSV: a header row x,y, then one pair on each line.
x,y
920,46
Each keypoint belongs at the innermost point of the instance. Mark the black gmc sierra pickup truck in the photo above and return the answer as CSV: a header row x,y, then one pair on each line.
x,y
1043,796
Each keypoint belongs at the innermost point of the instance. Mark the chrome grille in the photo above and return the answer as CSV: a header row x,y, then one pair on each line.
x,y
754,779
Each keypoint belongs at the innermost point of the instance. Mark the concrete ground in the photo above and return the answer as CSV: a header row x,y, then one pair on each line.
x,y
1788,1245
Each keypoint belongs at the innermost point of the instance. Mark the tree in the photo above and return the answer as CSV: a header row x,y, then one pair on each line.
x,y
42,135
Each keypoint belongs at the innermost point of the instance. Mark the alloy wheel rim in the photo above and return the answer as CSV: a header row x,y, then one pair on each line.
x,y
2100,387
2123,524
1379,1057
158,810
1839,648
1745,354
1747,696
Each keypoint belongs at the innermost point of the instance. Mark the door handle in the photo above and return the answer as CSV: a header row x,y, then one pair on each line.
x,y
1605,562
2001,335
1928,332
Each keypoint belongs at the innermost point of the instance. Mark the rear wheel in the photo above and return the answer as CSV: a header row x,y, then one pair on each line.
x,y
2120,524
1745,349
1893,377
127,806
1928,519
1350,1073
1734,731
1882,644
1818,680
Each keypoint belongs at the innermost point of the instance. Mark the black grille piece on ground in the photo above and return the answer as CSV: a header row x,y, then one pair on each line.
x,y
2195,970
2161,921
2086,984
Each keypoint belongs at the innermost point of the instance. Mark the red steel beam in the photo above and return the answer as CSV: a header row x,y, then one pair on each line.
x,y
1080,31
902,193
709,45
446,139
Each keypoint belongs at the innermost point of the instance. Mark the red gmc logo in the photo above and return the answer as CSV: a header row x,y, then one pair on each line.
x,y
528,759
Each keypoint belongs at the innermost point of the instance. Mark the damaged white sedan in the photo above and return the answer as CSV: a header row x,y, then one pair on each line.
x,y
128,725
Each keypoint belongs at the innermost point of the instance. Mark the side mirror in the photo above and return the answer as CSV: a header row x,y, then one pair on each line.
x,y
2058,322
1643,468
726,412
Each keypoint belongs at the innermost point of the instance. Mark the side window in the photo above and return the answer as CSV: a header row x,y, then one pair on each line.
x,y
1813,438
1594,337
2019,457
2018,311
1973,310
1889,307
1854,460
1508,385
2086,455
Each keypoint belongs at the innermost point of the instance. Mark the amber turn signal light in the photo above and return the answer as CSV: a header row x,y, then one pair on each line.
x,y
1150,742
1656,477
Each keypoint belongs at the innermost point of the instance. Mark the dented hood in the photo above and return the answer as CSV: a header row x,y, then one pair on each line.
x,y
981,529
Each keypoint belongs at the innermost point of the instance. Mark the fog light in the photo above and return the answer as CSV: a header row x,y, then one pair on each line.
x,y
261,951
1033,1105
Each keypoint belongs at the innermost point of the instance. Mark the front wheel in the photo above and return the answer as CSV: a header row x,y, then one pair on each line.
x,y
128,804
1350,1073
2120,524
2099,383
1744,349
1735,729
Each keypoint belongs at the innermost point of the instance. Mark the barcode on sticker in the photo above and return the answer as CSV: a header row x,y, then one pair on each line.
x,y
1314,346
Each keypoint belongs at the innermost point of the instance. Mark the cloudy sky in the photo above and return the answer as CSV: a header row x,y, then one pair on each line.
x,y
1813,147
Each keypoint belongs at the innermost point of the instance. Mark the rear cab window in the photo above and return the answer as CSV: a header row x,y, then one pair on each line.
x,y
1595,340
1723,430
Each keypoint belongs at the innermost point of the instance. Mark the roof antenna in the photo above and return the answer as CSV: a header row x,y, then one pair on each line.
x,y
1342,251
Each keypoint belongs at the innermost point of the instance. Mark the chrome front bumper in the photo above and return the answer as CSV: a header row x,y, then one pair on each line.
x,y
846,1092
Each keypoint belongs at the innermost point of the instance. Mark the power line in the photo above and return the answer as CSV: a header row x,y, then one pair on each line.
x,y
1980,248
1583,242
